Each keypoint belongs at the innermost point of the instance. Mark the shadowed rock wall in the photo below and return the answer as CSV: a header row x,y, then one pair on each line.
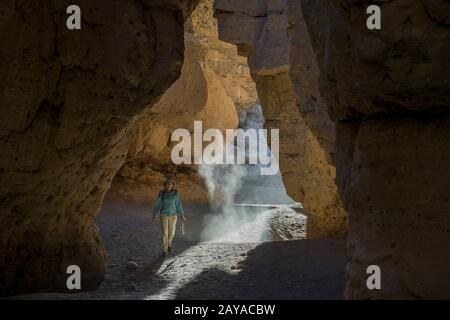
x,y
387,93
387,90
67,100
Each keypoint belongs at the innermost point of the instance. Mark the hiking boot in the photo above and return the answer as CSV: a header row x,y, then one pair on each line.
x,y
170,249
164,255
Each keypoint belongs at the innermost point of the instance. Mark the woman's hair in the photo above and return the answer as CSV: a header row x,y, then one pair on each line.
x,y
169,180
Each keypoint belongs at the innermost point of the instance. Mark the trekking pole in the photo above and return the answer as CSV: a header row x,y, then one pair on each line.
x,y
182,228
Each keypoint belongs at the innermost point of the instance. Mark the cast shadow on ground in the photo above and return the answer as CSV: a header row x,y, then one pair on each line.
x,y
302,269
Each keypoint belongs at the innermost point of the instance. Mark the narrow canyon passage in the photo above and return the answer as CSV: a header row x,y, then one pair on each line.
x,y
87,117
248,242
126,157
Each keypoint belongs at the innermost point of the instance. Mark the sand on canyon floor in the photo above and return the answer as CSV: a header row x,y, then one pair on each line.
x,y
297,269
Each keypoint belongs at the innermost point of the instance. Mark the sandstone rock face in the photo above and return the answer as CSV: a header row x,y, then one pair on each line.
x,y
67,100
230,68
283,64
388,94
215,82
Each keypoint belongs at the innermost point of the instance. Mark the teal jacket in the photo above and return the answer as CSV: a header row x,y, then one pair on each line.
x,y
169,203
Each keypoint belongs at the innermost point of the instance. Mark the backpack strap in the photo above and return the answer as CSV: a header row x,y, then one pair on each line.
x,y
162,200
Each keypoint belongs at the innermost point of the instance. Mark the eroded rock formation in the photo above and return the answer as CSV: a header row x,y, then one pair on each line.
x,y
387,90
215,82
387,93
283,64
67,101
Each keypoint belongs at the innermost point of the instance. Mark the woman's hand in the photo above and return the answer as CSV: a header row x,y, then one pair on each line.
x,y
183,219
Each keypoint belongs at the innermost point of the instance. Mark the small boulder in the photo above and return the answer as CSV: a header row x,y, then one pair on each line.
x,y
132,265
131,287
241,264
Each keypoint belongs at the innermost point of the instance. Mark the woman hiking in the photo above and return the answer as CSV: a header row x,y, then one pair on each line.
x,y
169,206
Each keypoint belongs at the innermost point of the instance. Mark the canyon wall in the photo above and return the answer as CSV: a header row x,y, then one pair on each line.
x,y
215,82
283,64
67,101
387,90
387,93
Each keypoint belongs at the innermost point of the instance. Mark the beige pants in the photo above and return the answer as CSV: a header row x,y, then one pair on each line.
x,y
168,225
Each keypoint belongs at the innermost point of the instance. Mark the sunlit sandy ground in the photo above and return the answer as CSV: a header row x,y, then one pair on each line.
x,y
300,269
